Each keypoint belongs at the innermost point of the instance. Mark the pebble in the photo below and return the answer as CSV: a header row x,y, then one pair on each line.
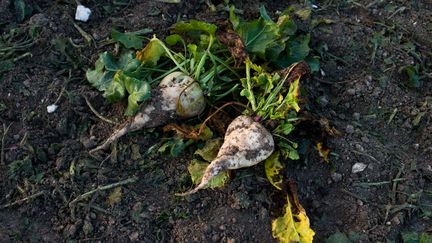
x,y
356,116
349,129
365,139
358,147
323,101
336,177
358,167
87,227
222,227
351,91
134,236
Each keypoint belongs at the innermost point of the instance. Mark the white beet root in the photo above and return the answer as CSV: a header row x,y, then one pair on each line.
x,y
177,96
246,143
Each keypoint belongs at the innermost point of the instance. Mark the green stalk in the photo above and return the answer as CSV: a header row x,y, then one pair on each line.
x,y
203,59
249,87
168,51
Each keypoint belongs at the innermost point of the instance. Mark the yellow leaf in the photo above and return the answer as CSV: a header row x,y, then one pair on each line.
x,y
114,197
272,169
293,94
323,151
196,169
293,227
210,149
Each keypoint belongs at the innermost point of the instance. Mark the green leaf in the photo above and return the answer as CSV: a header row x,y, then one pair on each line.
x,y
105,68
130,39
273,168
176,146
284,128
258,35
298,48
174,39
195,28
413,76
151,54
210,149
116,89
313,63
138,90
196,169
287,26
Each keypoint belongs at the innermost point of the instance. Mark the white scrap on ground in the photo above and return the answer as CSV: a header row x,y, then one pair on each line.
x,y
52,108
358,167
82,13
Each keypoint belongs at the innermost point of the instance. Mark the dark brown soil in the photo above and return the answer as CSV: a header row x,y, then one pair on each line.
x,y
361,90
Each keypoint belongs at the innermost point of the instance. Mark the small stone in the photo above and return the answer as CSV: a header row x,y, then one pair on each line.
x,y
358,167
365,139
360,202
52,108
358,147
351,91
416,146
222,227
87,227
82,13
356,116
336,177
349,129
134,236
323,101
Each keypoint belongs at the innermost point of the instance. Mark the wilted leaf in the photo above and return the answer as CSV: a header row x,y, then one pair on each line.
x,y
323,151
299,70
293,94
151,53
210,149
304,14
327,128
273,169
189,132
114,197
233,42
196,169
294,225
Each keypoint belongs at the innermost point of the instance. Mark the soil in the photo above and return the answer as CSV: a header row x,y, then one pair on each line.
x,y
361,89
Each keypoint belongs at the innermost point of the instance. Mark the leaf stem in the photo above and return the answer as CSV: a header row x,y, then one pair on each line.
x,y
251,96
168,51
